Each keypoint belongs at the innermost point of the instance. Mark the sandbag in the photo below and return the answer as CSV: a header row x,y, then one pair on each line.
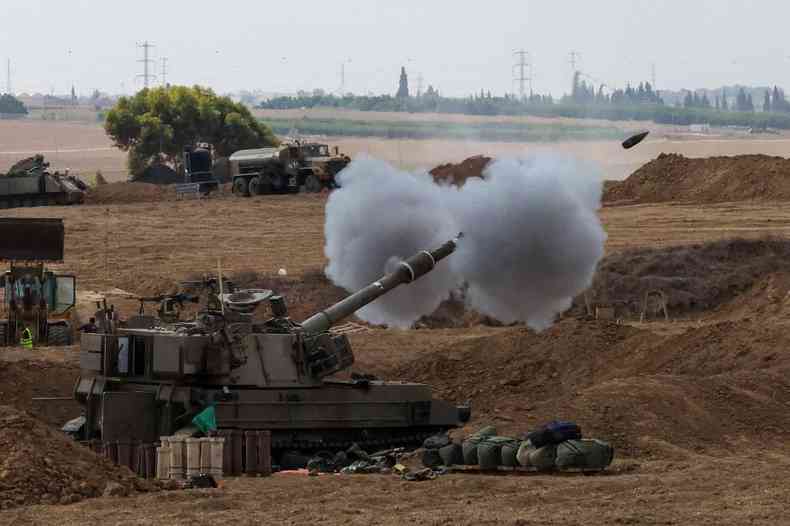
x,y
489,452
469,445
542,459
469,451
586,454
554,433
509,454
436,441
452,454
430,458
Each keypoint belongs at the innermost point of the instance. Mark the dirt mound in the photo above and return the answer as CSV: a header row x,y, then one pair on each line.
x,y
127,192
767,299
694,278
33,385
457,174
40,465
673,177
710,388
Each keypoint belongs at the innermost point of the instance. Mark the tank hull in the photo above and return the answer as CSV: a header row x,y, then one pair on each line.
x,y
330,416
38,190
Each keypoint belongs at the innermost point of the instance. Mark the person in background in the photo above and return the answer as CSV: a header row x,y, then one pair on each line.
x,y
27,339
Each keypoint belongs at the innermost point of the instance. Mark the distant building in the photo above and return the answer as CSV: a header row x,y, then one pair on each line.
x,y
403,88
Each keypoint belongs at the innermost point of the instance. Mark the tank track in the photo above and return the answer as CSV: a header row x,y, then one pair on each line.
x,y
340,440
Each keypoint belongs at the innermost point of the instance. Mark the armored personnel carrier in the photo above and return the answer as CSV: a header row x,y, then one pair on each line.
x,y
151,378
29,183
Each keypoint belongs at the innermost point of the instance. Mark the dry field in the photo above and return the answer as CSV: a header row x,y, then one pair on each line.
x,y
85,148
145,247
701,405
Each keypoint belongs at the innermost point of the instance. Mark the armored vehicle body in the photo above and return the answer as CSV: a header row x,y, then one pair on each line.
x,y
29,183
150,379
286,169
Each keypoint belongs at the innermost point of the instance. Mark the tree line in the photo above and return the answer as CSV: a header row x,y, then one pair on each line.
x,y
10,105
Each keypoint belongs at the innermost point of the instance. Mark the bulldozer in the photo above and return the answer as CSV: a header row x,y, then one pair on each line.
x,y
286,169
271,375
34,297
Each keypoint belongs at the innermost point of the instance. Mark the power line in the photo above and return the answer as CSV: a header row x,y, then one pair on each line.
x,y
523,65
147,61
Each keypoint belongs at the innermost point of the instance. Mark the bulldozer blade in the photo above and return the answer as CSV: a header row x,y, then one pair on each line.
x,y
30,239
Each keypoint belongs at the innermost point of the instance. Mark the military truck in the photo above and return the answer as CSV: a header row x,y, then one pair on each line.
x,y
286,169
151,378
29,183
34,297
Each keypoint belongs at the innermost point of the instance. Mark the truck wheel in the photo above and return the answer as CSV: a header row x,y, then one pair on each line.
x,y
255,186
313,184
279,182
241,187
261,185
59,335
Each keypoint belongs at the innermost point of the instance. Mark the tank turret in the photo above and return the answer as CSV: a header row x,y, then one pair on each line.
x,y
276,375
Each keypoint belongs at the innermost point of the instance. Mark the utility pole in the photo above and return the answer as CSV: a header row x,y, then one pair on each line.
x,y
147,61
522,65
653,75
8,77
342,89
419,84
164,72
574,57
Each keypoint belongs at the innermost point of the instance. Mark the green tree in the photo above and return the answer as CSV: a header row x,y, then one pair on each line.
x,y
10,105
156,124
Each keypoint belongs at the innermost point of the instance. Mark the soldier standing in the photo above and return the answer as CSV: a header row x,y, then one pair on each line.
x,y
27,339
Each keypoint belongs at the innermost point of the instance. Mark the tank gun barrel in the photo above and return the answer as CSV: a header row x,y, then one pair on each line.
x,y
408,271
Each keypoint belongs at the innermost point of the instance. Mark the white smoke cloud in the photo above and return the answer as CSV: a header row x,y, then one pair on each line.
x,y
380,216
532,238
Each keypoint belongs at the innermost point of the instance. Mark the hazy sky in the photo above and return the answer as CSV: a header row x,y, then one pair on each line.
x,y
458,46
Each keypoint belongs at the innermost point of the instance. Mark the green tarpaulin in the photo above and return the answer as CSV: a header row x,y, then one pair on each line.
x,y
206,420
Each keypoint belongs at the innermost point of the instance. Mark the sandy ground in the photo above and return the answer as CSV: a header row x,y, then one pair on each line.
x,y
145,247
702,491
141,247
85,148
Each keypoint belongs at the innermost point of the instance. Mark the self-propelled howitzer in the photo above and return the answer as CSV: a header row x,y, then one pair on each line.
x,y
138,384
